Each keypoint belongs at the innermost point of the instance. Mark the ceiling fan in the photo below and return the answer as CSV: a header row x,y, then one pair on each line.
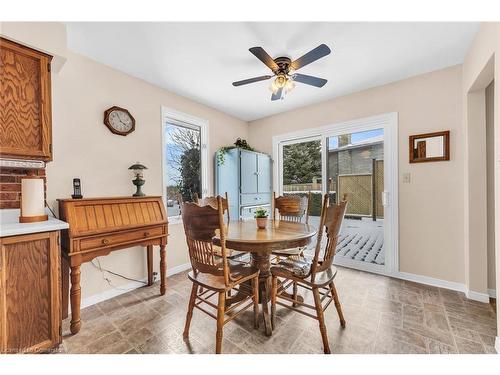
x,y
284,69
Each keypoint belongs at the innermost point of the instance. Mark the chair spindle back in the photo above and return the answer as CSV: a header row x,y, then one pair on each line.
x,y
291,208
212,201
201,224
330,224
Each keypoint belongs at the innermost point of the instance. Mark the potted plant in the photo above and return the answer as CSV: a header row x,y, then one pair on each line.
x,y
221,152
261,217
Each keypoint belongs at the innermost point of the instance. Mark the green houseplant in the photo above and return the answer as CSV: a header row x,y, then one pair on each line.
x,y
221,152
261,218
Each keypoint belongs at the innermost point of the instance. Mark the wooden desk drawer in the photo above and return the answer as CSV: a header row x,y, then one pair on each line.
x,y
119,238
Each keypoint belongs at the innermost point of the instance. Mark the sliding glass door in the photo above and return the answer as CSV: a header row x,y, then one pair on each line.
x,y
356,171
357,161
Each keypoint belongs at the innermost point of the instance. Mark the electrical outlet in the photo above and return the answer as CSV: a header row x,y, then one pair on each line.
x,y
155,277
406,178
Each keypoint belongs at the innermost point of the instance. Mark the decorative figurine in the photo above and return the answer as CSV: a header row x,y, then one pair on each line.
x,y
77,189
138,168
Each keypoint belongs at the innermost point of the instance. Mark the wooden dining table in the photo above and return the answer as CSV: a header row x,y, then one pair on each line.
x,y
260,243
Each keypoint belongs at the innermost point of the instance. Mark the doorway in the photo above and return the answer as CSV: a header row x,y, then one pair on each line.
x,y
357,159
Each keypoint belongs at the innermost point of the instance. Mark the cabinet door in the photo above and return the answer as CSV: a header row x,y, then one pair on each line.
x,y
248,172
227,177
264,173
25,102
30,298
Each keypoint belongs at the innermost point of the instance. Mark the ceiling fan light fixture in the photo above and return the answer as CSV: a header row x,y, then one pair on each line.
x,y
273,87
283,69
280,81
290,85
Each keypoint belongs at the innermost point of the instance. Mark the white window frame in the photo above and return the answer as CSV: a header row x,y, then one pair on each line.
x,y
389,122
169,115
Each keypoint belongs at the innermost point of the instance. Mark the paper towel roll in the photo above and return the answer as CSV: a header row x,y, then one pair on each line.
x,y
32,200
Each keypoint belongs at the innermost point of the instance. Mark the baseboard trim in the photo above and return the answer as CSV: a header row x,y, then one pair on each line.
x,y
477,296
470,294
426,280
430,281
114,292
497,344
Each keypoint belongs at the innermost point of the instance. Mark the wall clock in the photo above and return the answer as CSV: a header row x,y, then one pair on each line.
x,y
119,121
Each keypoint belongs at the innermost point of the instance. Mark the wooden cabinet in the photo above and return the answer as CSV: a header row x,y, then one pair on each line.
x,y
25,102
30,317
246,177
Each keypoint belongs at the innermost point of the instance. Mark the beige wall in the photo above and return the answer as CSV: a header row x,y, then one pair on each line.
x,y
481,65
430,239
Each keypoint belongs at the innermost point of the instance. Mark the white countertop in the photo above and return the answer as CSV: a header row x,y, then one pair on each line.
x,y
10,225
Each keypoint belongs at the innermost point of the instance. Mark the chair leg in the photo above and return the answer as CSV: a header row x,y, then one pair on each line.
x,y
295,294
189,315
336,300
321,320
274,292
220,322
255,288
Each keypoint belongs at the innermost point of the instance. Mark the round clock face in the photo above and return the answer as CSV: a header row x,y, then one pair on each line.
x,y
119,121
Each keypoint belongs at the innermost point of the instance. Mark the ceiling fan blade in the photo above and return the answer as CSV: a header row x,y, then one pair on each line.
x,y
309,80
264,57
251,80
277,95
320,51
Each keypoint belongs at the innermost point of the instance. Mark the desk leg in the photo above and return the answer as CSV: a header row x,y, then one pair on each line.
x,y
163,270
150,264
65,286
75,295
263,263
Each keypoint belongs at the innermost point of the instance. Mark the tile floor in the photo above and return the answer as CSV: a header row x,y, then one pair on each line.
x,y
384,315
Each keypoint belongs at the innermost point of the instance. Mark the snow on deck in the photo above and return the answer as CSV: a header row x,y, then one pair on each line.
x,y
361,240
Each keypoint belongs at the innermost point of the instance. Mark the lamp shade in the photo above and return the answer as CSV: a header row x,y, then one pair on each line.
x,y
137,166
32,200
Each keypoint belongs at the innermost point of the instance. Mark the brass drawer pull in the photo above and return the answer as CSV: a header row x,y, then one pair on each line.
x,y
105,241
146,234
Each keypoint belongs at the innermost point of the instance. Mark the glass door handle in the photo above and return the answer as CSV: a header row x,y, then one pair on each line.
x,y
385,198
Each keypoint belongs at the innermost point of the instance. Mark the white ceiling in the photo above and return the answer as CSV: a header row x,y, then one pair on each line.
x,y
201,60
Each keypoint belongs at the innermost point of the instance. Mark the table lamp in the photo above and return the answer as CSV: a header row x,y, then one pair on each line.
x,y
138,169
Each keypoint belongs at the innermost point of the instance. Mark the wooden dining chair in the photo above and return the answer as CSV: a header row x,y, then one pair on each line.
x,y
291,208
217,275
315,274
212,202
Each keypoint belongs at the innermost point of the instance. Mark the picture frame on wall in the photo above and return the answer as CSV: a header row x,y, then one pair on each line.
x,y
429,147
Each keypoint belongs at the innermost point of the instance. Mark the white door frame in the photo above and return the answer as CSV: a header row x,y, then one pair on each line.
x,y
388,122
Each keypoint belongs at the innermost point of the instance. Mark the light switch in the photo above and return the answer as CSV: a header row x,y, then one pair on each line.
x,y
406,178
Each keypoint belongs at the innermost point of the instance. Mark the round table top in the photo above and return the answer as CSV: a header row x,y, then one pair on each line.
x,y
278,235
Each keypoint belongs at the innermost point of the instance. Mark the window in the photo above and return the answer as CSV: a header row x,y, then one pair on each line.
x,y
184,160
